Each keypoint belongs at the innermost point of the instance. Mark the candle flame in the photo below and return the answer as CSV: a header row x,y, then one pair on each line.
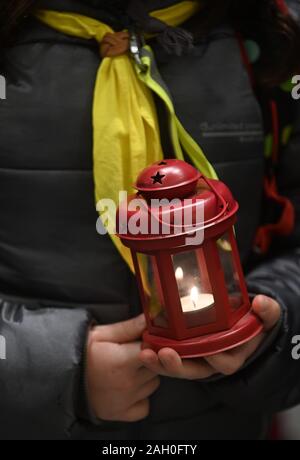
x,y
179,274
194,295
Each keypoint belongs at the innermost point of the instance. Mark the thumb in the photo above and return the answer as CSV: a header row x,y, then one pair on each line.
x,y
123,332
268,310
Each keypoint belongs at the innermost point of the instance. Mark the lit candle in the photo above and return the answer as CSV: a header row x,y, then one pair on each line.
x,y
196,301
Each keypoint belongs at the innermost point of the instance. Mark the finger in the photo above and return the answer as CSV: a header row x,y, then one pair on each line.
x,y
171,362
123,332
232,361
150,360
147,390
129,355
268,310
185,369
144,375
137,412
250,348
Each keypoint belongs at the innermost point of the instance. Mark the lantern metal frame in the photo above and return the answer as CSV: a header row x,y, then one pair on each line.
x,y
231,327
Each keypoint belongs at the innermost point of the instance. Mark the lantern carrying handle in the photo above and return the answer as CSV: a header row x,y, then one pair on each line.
x,y
219,196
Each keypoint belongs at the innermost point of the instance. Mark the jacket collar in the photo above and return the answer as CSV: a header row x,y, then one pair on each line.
x,y
112,12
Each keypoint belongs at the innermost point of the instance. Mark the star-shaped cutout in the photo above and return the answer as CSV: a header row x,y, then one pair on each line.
x,y
157,179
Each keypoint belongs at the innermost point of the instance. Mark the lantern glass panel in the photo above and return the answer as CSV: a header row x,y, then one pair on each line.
x,y
153,290
195,291
231,274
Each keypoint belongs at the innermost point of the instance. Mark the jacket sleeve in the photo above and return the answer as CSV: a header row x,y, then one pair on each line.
x,y
42,370
271,381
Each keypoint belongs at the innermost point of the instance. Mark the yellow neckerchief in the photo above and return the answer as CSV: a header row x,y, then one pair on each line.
x,y
126,129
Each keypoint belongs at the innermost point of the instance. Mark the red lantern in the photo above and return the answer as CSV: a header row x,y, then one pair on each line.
x,y
190,277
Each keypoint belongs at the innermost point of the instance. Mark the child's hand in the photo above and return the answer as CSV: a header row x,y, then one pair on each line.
x,y
118,383
168,363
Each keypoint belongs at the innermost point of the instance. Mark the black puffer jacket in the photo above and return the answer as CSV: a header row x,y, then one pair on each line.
x,y
57,274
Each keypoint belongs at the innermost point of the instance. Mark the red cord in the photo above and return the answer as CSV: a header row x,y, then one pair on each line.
x,y
246,59
275,130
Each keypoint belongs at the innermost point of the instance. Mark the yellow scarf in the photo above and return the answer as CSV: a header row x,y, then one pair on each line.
x,y
126,129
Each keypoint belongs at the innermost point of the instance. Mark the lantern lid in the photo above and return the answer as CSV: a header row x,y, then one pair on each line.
x,y
169,178
174,200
